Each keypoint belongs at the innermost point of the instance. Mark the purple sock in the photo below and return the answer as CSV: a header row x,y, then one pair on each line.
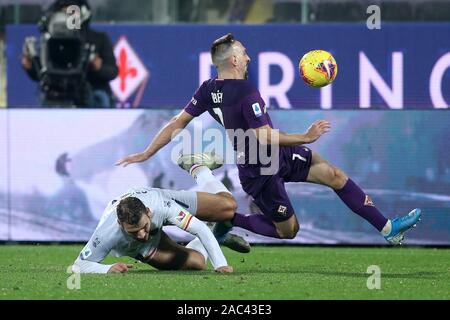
x,y
361,204
256,223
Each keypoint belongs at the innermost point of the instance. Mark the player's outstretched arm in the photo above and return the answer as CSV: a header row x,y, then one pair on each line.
x,y
90,258
86,266
267,135
226,269
184,220
200,229
163,137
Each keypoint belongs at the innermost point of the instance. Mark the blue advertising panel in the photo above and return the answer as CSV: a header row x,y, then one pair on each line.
x,y
63,174
401,66
4,212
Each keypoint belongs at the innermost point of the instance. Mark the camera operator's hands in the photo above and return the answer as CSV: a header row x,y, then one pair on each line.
x,y
96,63
26,62
28,52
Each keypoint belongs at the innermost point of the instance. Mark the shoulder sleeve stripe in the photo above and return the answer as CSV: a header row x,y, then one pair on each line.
x,y
187,222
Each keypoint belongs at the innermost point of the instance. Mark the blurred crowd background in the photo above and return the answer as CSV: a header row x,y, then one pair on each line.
x,y
236,11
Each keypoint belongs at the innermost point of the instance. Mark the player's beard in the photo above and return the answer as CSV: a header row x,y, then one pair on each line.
x,y
142,240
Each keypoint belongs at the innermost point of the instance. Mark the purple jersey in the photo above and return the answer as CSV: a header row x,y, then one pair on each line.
x,y
235,104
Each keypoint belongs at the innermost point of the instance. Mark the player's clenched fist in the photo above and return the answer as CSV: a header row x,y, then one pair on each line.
x,y
120,268
225,269
133,158
317,129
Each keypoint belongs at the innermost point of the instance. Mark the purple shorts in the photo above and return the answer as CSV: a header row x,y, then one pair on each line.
x,y
269,193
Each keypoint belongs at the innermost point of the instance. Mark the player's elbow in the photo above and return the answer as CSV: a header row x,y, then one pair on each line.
x,y
264,141
266,136
181,120
176,121
263,137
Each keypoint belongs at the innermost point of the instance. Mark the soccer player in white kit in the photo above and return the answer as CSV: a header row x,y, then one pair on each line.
x,y
131,225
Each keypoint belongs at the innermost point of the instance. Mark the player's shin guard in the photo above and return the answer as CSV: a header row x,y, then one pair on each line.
x,y
256,223
361,204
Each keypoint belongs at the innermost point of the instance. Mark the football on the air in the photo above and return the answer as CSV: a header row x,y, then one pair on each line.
x,y
318,68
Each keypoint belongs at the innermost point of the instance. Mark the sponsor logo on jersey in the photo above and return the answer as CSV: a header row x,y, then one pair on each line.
x,y
282,210
368,201
194,101
96,242
257,109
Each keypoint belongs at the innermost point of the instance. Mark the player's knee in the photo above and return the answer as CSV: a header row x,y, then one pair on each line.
x,y
290,232
338,178
230,207
196,261
226,205
199,264
296,228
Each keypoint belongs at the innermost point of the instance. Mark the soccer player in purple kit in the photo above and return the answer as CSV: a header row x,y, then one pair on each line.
x,y
236,104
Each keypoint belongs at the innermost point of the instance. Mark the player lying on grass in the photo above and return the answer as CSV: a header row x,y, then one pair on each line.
x,y
237,105
131,225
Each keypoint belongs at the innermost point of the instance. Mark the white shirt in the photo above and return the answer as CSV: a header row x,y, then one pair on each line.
x,y
110,237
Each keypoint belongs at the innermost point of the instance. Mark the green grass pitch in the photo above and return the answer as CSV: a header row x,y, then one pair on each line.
x,y
291,272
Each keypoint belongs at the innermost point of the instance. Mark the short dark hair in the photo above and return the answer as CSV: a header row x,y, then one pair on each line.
x,y
222,44
130,210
